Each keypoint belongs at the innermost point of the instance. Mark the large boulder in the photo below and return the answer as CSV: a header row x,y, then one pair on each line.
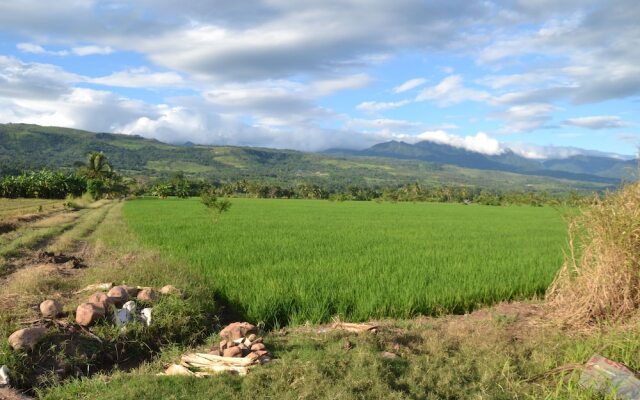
x,y
118,295
237,330
50,308
27,338
88,313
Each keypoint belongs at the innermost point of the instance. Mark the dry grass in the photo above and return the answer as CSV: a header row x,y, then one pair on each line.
x,y
600,280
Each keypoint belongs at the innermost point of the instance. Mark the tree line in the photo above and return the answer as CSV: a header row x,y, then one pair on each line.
x,y
97,177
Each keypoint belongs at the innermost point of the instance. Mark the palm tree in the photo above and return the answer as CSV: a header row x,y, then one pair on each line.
x,y
97,166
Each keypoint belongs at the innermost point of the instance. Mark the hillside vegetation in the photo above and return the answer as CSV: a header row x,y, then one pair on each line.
x,y
28,147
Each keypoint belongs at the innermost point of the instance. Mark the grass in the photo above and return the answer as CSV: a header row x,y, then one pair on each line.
x,y
438,359
16,207
291,261
452,357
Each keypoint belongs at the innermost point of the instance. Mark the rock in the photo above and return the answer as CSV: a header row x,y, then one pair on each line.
x,y
252,337
4,376
258,347
169,289
233,352
118,295
149,295
26,338
101,300
262,356
50,308
215,352
388,355
131,291
237,330
88,313
145,315
223,345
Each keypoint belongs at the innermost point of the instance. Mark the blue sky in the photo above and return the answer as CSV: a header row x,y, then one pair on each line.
x,y
538,77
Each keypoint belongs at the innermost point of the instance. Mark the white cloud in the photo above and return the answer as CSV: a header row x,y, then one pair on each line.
x,y
526,118
597,122
326,87
140,77
408,85
382,124
479,143
78,51
91,50
31,48
451,91
373,107
37,49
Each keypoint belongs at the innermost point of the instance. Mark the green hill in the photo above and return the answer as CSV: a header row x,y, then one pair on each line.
x,y
25,147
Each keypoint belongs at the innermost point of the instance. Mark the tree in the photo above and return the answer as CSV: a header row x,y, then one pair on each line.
x,y
97,166
213,203
101,179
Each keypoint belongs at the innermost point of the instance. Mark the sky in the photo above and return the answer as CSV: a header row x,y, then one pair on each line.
x,y
542,78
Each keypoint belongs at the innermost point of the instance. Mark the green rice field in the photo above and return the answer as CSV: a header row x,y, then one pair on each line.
x,y
291,261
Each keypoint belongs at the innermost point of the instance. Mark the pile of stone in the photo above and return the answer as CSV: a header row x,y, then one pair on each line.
x,y
239,350
239,340
121,302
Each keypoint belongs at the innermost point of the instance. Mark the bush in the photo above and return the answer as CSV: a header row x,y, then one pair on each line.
x,y
212,202
42,184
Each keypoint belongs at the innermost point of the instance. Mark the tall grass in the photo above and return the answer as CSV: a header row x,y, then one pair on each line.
x,y
600,280
292,261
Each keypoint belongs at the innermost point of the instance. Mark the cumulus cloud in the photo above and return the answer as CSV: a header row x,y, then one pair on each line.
x,y
410,84
597,122
479,143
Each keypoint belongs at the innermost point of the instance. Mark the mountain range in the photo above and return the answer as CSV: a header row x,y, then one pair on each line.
x,y
25,146
579,167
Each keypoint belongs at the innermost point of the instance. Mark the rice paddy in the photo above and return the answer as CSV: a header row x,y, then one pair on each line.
x,y
294,261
